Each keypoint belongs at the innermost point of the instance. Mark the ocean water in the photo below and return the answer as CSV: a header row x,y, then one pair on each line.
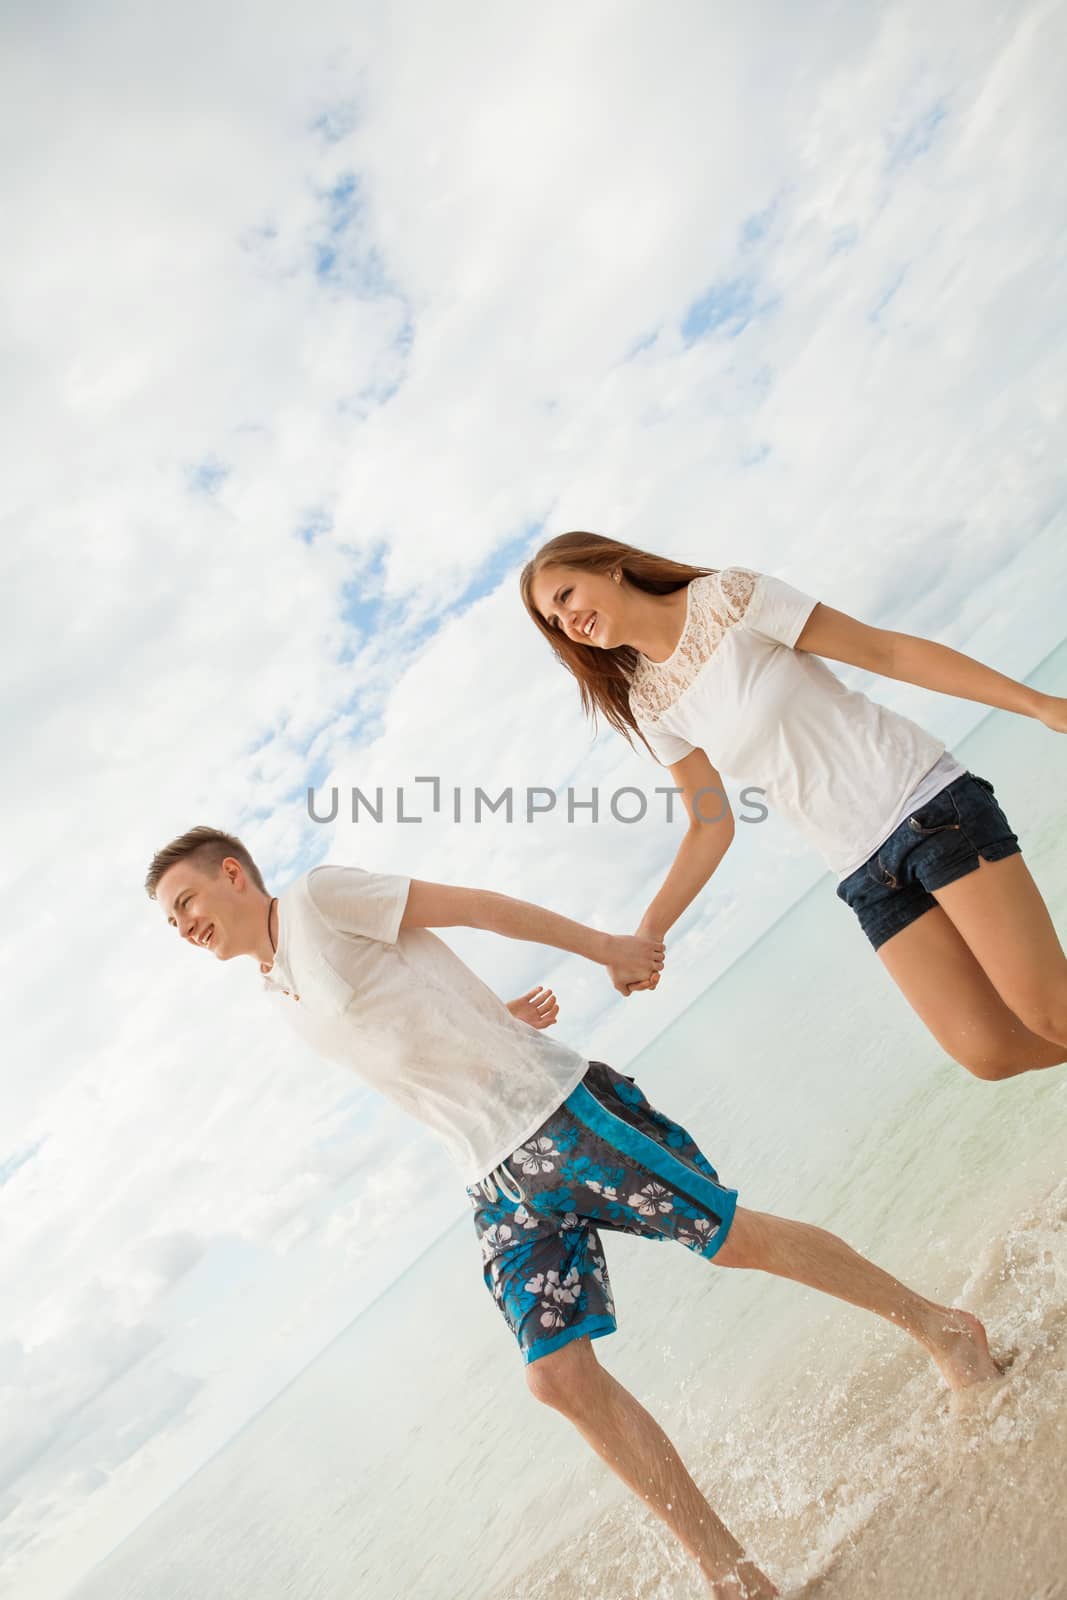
x,y
409,1460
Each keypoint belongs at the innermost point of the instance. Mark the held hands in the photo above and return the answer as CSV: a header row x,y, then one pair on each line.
x,y
539,1007
634,962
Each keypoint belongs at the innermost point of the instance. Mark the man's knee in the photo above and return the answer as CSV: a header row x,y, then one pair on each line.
x,y
560,1380
743,1245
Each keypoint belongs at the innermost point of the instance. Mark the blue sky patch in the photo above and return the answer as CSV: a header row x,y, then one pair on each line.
x,y
504,563
366,609
369,613
325,260
208,476
314,525
336,122
844,238
9,1167
343,201
645,342
755,228
362,601
728,306
917,137
887,295
343,254
342,204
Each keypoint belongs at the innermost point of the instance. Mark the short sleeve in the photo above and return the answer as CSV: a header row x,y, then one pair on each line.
x,y
777,611
667,748
370,904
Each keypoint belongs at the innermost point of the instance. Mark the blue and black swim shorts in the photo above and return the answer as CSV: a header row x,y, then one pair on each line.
x,y
605,1159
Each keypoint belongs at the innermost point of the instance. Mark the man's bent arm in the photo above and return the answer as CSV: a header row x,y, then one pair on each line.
x,y
443,905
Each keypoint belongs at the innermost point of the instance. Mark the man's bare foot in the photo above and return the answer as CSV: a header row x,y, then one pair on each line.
x,y
957,1342
746,1582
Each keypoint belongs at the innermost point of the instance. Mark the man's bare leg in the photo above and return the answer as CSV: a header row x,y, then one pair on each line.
x,y
954,1339
638,1451
628,1439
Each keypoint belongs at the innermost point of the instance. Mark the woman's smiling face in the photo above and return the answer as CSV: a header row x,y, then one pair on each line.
x,y
584,606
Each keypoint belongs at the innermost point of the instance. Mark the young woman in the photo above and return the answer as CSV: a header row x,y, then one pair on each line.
x,y
721,669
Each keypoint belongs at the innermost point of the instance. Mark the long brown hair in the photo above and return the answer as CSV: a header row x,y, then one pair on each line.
x,y
603,675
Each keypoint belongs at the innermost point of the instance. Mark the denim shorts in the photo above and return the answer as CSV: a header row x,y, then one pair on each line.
x,y
937,844
605,1160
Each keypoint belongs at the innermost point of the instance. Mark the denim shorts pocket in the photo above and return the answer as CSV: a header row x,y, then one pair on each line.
x,y
880,874
935,816
982,815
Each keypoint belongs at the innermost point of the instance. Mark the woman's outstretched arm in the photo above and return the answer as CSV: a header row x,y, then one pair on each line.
x,y
707,839
905,656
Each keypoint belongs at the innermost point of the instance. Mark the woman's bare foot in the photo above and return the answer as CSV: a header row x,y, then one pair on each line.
x,y
957,1342
746,1582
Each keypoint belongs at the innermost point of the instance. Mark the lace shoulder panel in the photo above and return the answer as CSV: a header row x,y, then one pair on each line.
x,y
736,585
717,601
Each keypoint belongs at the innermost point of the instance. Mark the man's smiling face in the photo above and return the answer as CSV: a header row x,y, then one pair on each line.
x,y
210,909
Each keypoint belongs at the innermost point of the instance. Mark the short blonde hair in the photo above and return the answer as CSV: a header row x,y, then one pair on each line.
x,y
209,847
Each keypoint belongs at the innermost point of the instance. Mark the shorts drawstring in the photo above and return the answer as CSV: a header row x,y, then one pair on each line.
x,y
501,1178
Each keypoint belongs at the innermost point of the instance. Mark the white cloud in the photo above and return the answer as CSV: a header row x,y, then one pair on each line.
x,y
310,318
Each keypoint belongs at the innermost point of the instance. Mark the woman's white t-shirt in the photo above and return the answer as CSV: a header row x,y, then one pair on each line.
x,y
400,1008
845,770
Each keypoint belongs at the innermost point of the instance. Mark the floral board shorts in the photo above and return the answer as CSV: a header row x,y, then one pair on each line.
x,y
604,1159
941,842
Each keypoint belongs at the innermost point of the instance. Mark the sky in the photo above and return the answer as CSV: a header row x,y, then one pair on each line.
x,y
315,324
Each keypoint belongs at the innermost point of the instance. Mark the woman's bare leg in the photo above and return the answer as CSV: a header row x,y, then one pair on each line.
x,y
999,911
946,985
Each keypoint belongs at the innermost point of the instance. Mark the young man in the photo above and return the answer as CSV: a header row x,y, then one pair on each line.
x,y
551,1146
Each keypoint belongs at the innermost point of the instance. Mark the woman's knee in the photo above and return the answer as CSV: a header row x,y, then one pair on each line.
x,y
989,1068
993,1059
1045,1015
993,1054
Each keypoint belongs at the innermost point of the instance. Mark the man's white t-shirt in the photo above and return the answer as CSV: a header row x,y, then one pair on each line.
x,y
402,1010
845,770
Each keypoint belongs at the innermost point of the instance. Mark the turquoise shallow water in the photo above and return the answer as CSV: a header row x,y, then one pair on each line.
x,y
408,1460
